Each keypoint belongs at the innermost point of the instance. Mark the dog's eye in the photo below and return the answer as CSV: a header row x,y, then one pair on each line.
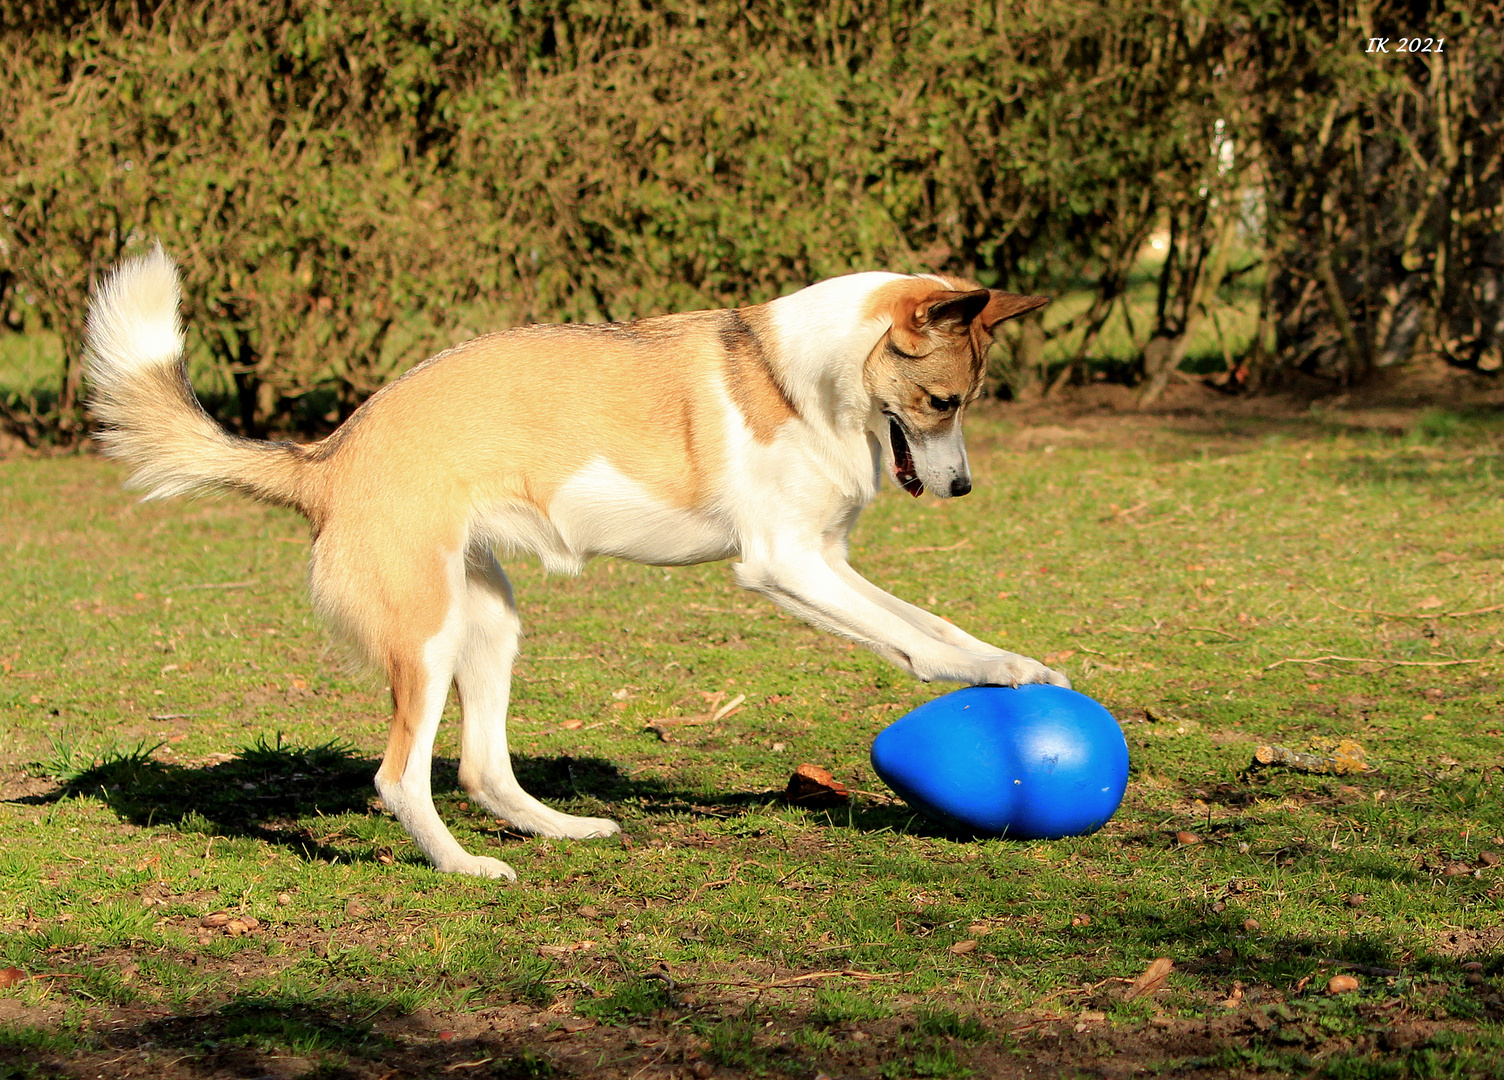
x,y
940,404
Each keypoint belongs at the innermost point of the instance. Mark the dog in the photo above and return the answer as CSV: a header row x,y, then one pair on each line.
x,y
756,434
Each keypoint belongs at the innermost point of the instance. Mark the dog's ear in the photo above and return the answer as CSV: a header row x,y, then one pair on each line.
x,y
951,312
1002,306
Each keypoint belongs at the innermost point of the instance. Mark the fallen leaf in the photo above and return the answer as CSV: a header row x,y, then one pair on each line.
x,y
565,950
1488,858
1152,979
572,725
1456,869
1425,605
213,922
1341,984
813,786
1186,839
1252,925
10,976
960,948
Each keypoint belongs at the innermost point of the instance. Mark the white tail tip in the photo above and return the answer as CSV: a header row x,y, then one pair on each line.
x,y
133,318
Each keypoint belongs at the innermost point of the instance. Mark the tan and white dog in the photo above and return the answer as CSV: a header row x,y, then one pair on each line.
x,y
757,434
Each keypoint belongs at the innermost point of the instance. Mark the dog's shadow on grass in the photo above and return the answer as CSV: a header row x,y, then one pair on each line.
x,y
261,792
269,791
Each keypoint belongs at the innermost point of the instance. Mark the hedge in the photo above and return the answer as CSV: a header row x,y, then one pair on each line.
x,y
351,184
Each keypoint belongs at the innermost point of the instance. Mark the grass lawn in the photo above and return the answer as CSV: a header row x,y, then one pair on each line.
x,y
196,880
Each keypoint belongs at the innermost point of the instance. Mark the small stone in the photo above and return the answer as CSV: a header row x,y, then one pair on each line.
x,y
1252,925
702,1070
1341,984
1080,920
237,928
196,872
1357,899
1472,978
284,898
215,921
1472,965
1456,869
1186,839
590,911
446,1036
1488,858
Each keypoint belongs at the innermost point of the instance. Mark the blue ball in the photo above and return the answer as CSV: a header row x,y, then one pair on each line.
x,y
1034,762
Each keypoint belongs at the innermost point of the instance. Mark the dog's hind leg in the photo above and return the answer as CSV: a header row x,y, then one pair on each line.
x,y
407,612
484,676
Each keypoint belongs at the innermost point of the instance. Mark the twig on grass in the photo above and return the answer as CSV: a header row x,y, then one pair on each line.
x,y
1361,969
661,725
1415,614
1214,630
797,981
1369,660
216,585
1049,1018
942,547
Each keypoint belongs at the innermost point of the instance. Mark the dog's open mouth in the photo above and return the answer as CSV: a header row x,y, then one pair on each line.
x,y
903,461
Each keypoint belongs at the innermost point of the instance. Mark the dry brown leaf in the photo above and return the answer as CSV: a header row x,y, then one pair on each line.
x,y
565,950
961,948
1152,979
10,976
215,921
815,787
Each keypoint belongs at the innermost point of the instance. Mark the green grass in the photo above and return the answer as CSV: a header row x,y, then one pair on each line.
x,y
178,739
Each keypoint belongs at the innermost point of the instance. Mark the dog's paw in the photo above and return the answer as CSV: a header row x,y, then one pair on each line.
x,y
587,828
1010,669
480,866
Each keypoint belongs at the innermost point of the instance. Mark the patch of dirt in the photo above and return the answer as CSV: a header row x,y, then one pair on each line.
x,y
520,1041
1460,943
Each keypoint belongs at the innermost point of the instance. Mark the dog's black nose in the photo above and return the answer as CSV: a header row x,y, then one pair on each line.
x,y
961,485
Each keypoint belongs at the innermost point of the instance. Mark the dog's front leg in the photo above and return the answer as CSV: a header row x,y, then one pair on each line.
x,y
932,624
801,580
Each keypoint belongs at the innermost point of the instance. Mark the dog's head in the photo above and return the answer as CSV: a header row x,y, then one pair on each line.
x,y
927,368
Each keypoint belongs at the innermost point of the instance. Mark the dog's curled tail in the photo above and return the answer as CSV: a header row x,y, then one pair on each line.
x,y
148,414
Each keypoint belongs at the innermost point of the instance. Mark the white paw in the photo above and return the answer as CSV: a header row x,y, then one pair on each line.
x,y
1010,669
584,828
480,866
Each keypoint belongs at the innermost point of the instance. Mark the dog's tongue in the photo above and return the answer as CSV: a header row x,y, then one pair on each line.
x,y
903,461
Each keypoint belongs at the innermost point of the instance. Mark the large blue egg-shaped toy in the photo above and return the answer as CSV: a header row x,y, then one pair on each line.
x,y
1033,762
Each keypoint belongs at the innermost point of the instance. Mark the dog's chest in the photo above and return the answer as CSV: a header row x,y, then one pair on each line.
x,y
601,511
